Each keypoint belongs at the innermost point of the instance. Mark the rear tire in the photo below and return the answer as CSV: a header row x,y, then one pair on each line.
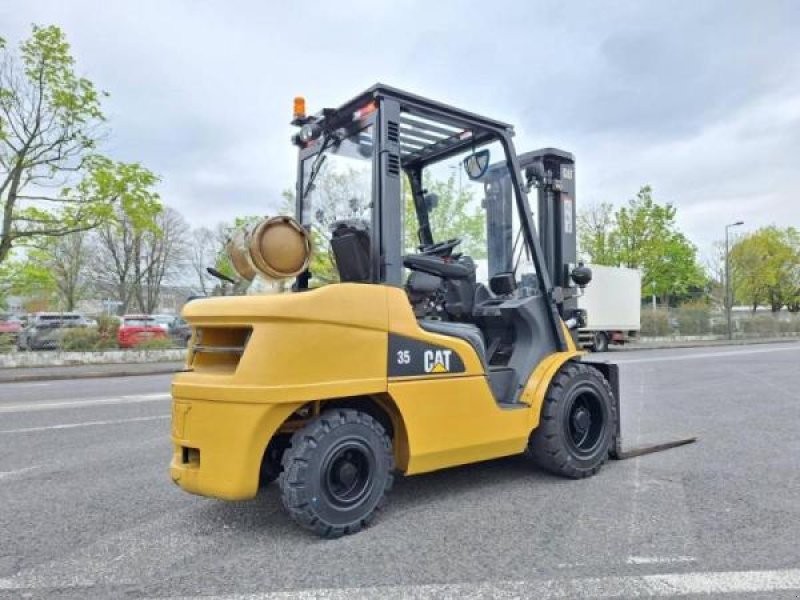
x,y
271,465
336,473
577,424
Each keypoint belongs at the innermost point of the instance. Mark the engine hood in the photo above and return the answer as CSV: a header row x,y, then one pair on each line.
x,y
353,304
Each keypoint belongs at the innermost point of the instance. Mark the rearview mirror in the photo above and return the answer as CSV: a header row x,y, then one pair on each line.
x,y
476,164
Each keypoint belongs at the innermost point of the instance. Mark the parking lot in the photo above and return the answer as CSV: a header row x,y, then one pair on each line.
x,y
87,507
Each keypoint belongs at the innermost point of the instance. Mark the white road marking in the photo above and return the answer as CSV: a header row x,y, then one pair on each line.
x,y
667,585
694,356
58,404
7,474
84,424
659,560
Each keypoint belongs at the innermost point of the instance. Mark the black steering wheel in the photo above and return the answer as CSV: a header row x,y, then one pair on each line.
x,y
441,248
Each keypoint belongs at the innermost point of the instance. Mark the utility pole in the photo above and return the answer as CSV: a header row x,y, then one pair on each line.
x,y
653,292
728,298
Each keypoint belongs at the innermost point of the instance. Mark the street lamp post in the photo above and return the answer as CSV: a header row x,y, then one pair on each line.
x,y
728,299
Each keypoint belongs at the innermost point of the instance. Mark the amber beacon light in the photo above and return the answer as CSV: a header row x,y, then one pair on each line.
x,y
299,107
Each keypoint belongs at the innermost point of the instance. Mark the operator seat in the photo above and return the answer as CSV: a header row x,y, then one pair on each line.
x,y
436,265
458,276
351,250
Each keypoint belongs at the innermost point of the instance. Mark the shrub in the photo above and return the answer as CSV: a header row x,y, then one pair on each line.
x,y
760,325
693,319
87,339
80,339
107,328
719,328
655,322
155,344
6,342
790,325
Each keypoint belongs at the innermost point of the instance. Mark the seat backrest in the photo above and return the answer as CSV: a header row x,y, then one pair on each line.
x,y
350,247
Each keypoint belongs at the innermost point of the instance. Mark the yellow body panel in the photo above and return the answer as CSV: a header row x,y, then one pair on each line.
x,y
327,344
454,421
231,439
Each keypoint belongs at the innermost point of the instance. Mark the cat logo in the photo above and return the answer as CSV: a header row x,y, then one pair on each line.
x,y
437,361
408,357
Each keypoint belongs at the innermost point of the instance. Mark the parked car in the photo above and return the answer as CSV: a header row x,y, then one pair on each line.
x,y
45,329
163,321
180,331
10,326
136,329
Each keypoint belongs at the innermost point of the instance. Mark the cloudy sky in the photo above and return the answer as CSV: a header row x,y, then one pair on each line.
x,y
700,99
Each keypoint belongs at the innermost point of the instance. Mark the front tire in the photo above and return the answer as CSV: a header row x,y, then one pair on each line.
x,y
577,424
336,473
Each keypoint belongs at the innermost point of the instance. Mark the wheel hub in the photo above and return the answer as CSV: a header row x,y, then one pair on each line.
x,y
585,422
581,419
347,475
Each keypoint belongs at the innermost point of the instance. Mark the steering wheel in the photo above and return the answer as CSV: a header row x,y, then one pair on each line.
x,y
441,248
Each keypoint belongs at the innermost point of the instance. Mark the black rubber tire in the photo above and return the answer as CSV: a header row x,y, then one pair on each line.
x,y
307,490
552,445
600,343
271,463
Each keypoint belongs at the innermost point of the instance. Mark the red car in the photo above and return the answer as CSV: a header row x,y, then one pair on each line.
x,y
11,327
136,329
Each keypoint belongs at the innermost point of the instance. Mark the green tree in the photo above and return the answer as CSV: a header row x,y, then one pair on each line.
x,y
58,266
457,214
52,180
29,277
765,268
792,291
643,235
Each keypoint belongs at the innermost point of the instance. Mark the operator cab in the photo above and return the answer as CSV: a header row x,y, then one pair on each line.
x,y
400,190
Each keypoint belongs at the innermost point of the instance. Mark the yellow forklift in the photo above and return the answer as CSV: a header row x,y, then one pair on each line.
x,y
404,345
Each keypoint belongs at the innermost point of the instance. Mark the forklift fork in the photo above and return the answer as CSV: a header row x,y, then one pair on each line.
x,y
617,452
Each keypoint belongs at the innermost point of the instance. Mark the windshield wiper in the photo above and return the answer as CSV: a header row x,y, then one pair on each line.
x,y
318,162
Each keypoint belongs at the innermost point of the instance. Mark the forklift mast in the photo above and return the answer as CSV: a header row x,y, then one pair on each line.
x,y
552,173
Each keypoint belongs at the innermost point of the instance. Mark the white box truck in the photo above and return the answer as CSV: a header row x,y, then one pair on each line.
x,y
613,302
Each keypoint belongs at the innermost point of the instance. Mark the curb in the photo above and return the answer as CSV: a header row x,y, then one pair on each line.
x,y
85,375
705,344
59,358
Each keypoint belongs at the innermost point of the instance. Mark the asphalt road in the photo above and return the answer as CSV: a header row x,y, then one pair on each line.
x,y
87,508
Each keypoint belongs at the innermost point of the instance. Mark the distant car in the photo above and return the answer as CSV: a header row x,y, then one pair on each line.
x,y
44,330
180,331
10,326
163,321
136,329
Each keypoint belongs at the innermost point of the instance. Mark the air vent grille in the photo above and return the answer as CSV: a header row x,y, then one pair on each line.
x,y
393,166
393,132
217,350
